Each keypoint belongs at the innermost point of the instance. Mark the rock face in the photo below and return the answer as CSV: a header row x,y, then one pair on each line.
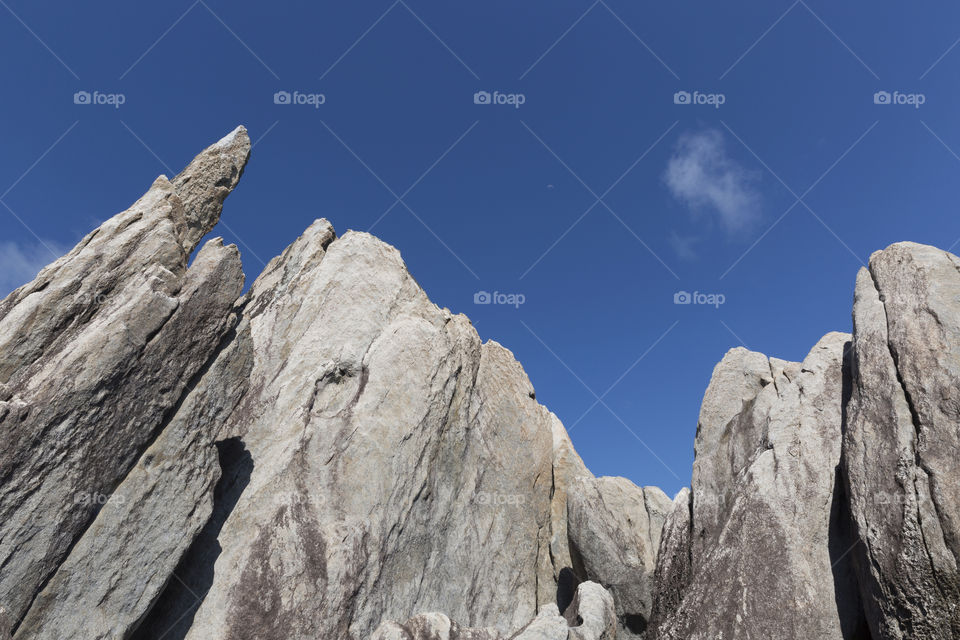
x,y
614,528
764,527
431,626
902,448
674,563
331,455
94,355
384,442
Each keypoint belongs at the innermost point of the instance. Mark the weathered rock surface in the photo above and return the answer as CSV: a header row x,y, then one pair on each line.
x,y
548,625
94,354
398,464
674,563
568,469
590,616
614,528
431,626
766,543
902,446
126,556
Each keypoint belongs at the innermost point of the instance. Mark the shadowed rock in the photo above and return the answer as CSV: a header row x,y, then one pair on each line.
x,y
95,354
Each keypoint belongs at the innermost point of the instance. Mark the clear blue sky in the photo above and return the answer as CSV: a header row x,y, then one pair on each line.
x,y
495,186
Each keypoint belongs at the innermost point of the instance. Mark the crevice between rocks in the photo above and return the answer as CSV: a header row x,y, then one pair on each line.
x,y
842,536
570,578
172,614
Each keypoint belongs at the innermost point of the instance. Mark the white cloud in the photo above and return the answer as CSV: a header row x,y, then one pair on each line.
x,y
20,263
701,175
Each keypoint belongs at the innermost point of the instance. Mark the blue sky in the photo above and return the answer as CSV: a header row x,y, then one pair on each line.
x,y
595,201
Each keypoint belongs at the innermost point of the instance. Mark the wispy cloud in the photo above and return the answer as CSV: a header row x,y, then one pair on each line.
x,y
701,175
683,246
20,263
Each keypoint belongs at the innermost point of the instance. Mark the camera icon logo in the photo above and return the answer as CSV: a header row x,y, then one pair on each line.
x,y
682,297
482,297
281,97
81,97
881,97
481,97
681,97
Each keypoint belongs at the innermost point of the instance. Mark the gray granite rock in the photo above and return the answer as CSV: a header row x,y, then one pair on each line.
x,y
431,626
766,526
95,355
331,452
614,528
674,564
902,448
399,465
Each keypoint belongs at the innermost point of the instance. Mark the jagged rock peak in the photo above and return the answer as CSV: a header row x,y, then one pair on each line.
x,y
763,523
205,183
95,355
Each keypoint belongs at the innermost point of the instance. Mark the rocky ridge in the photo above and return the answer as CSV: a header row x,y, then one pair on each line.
x,y
331,455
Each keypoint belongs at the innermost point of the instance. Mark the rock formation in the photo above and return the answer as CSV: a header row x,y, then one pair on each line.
x,y
331,455
326,452
95,355
902,448
765,526
590,616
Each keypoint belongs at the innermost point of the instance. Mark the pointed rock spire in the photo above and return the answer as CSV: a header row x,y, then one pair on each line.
x,y
207,181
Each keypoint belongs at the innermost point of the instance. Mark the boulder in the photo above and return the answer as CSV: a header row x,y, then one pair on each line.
x,y
590,616
614,528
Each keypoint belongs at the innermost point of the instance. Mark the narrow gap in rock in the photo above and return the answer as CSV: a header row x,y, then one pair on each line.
x,y
634,622
570,578
567,583
842,535
172,614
